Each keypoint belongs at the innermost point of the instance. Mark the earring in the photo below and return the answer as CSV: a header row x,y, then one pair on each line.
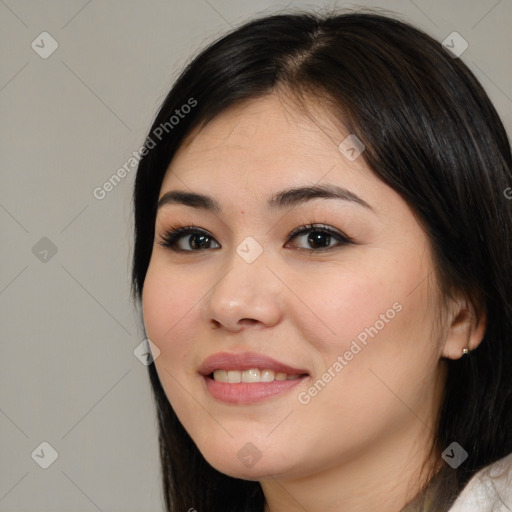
x,y
465,351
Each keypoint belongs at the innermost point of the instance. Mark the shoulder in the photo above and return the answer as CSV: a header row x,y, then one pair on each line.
x,y
490,490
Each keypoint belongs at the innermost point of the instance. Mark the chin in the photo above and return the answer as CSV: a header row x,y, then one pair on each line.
x,y
257,473
248,463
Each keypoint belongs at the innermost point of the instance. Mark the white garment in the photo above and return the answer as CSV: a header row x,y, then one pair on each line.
x,y
490,490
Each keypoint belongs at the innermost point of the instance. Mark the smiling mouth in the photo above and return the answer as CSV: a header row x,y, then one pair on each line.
x,y
248,377
252,375
245,387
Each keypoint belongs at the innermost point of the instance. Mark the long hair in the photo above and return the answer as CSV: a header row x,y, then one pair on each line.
x,y
432,134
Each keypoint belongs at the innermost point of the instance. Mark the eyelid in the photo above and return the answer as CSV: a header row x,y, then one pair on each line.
x,y
320,227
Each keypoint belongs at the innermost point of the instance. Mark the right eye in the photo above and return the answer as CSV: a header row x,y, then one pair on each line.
x,y
187,239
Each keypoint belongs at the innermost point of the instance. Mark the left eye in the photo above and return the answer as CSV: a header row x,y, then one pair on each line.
x,y
319,237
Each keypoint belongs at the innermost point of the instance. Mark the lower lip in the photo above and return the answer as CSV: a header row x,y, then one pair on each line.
x,y
248,392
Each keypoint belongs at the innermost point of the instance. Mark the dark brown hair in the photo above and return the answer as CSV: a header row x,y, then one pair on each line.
x,y
432,134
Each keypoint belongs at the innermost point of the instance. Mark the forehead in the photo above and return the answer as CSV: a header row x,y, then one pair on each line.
x,y
263,141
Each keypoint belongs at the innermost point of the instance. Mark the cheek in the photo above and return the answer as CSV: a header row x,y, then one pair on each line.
x,y
345,303
169,301
380,320
381,328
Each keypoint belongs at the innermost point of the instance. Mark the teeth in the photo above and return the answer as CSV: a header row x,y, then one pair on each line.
x,y
252,375
267,375
234,376
220,375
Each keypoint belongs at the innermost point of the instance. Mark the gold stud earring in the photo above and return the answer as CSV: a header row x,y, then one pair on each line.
x,y
465,351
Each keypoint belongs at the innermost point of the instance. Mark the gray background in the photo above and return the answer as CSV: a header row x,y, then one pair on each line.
x,y
68,374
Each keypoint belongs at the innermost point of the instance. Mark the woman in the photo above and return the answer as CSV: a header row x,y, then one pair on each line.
x,y
323,258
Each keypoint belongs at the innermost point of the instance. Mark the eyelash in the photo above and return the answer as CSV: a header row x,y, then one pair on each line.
x,y
173,234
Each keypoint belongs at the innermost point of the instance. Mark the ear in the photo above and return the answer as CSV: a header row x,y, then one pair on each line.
x,y
464,329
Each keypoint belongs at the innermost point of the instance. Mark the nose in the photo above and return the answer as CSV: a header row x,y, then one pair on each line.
x,y
246,294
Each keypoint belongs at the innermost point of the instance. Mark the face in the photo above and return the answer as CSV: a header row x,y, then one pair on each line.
x,y
331,292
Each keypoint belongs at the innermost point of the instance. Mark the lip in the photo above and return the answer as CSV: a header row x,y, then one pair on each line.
x,y
243,392
245,361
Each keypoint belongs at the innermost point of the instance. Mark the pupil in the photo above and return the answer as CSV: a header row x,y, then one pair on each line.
x,y
316,239
196,240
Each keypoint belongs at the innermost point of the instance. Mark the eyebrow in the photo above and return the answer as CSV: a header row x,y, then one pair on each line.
x,y
279,201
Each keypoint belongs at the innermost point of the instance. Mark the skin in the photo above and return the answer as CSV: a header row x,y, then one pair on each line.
x,y
361,442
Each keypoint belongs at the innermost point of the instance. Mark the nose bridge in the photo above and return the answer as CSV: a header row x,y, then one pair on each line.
x,y
246,289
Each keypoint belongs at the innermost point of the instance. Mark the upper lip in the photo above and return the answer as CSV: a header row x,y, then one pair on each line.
x,y
245,361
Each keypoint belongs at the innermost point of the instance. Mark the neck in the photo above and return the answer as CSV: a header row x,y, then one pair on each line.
x,y
386,477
